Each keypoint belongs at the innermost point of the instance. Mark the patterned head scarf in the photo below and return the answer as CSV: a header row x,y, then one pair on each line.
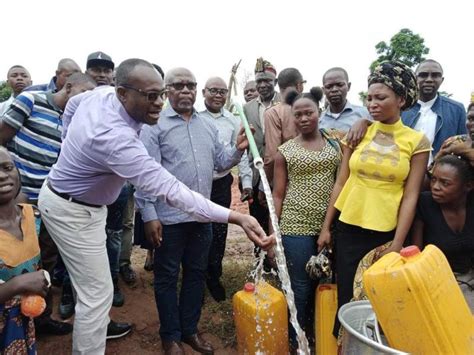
x,y
400,78
264,67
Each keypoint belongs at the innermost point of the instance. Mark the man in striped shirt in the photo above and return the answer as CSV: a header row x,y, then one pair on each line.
x,y
31,131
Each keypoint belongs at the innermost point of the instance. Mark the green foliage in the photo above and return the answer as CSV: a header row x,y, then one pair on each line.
x,y
363,97
405,46
5,91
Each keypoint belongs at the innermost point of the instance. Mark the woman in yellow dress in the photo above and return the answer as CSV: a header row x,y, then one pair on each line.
x,y
374,199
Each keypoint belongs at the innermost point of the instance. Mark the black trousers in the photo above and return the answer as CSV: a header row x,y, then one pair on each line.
x,y
352,243
221,194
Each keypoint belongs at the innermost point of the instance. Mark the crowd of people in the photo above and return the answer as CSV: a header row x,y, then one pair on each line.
x,y
95,161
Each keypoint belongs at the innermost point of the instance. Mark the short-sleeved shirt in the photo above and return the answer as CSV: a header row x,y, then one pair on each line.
x,y
35,147
344,120
311,177
458,247
379,168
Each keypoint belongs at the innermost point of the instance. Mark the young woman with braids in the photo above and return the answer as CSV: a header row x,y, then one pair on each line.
x,y
375,195
304,175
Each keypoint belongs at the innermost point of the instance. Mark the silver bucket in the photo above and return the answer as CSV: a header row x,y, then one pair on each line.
x,y
361,331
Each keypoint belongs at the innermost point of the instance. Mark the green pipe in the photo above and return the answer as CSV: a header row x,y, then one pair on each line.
x,y
257,159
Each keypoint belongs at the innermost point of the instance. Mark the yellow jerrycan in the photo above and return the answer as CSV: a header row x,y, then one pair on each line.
x,y
419,304
326,308
261,320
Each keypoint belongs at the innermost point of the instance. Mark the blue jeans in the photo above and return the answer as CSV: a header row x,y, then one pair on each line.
x,y
185,244
114,230
298,250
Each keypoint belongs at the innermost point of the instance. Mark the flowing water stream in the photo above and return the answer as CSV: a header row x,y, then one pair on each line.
x,y
303,346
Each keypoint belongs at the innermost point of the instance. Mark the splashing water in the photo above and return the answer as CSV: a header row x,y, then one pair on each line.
x,y
303,346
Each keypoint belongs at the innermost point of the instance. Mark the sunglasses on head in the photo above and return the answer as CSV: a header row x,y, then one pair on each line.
x,y
181,86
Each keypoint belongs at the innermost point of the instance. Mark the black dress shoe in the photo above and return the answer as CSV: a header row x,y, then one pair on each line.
x,y
199,344
117,330
66,306
172,347
50,326
216,290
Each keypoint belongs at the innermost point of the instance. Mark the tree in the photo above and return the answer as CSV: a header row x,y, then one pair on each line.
x,y
5,91
405,46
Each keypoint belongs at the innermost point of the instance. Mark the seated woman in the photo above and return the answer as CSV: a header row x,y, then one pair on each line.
x,y
380,179
19,262
445,218
304,175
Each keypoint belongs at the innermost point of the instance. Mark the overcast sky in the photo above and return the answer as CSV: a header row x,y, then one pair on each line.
x,y
209,36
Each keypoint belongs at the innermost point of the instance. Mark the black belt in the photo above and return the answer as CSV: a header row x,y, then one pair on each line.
x,y
69,198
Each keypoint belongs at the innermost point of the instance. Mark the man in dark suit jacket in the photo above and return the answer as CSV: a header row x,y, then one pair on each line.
x,y
265,77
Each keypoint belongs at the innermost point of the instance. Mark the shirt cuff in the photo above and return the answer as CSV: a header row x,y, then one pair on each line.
x,y
148,213
246,182
220,214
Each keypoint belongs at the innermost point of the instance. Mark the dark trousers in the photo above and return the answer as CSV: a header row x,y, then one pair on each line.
x,y
114,230
49,257
258,211
298,250
222,195
352,243
185,244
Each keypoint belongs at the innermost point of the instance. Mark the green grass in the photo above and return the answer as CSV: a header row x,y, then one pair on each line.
x,y
217,317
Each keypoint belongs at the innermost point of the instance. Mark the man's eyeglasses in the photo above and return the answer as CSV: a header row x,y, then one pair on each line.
x,y
425,75
214,91
151,96
180,86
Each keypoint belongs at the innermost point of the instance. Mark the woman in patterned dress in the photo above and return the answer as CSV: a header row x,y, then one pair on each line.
x,y
375,195
19,262
304,175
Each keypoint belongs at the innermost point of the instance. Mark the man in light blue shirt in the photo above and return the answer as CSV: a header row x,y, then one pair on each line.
x,y
215,95
340,114
188,146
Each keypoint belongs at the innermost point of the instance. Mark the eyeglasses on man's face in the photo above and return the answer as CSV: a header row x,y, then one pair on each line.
x,y
180,86
151,96
425,75
215,91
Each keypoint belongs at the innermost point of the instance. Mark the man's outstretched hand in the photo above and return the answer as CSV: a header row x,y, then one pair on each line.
x,y
253,230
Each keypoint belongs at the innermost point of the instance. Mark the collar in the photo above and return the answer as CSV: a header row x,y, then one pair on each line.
x,y
347,107
170,112
272,101
428,104
223,113
50,99
116,104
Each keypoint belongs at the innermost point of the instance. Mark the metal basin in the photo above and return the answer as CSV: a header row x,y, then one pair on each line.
x,y
361,331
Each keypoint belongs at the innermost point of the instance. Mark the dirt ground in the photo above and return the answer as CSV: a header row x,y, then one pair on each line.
x,y
140,309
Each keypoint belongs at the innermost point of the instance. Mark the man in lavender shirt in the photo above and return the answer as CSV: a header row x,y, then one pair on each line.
x,y
100,152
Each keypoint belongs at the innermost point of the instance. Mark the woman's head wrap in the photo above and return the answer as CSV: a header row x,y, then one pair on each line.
x,y
400,78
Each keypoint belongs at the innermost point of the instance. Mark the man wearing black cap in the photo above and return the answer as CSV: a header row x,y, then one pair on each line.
x,y
101,67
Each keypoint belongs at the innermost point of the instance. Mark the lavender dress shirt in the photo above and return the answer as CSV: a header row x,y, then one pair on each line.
x,y
102,150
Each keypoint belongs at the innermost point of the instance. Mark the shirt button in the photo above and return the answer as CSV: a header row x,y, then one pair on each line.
x,y
195,150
